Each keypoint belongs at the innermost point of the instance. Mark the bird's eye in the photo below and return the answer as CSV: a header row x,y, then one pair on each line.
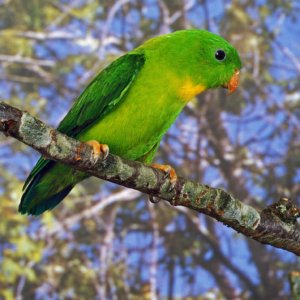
x,y
220,55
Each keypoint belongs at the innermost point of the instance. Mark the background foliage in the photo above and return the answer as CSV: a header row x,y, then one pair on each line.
x,y
106,242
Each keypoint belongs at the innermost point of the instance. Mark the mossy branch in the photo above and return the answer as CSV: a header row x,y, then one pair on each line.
x,y
275,225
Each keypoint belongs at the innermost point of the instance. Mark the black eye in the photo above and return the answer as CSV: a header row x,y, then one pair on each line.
x,y
220,55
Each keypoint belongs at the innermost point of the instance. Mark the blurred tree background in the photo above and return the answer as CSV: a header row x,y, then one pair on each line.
x,y
108,242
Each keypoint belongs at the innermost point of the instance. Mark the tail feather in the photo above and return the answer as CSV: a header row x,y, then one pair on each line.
x,y
44,193
28,195
47,204
41,164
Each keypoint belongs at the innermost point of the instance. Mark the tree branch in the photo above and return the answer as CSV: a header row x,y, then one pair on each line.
x,y
275,225
27,60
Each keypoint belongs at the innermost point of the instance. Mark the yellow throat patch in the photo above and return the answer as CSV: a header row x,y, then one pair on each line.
x,y
189,90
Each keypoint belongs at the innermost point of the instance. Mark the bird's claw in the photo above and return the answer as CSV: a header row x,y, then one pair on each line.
x,y
95,162
98,148
153,200
172,186
168,173
105,150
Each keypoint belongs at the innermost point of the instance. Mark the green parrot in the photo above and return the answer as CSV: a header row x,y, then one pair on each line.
x,y
131,104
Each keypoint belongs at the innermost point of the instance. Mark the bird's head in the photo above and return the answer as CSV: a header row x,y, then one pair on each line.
x,y
219,61
204,59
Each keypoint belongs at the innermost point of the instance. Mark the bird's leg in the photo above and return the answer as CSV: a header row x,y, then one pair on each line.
x,y
98,148
169,172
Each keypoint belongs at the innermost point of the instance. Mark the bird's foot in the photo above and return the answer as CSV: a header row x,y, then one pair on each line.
x,y
98,148
169,172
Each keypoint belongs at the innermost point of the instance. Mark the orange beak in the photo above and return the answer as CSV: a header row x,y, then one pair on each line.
x,y
233,82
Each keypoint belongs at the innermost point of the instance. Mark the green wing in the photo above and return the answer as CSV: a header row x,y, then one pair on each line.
x,y
99,97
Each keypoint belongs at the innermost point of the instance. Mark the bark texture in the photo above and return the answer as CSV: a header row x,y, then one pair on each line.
x,y
275,225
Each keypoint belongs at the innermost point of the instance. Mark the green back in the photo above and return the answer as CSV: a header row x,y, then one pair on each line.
x,y
104,91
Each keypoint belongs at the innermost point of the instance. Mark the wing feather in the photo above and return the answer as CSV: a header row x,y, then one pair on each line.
x,y
99,97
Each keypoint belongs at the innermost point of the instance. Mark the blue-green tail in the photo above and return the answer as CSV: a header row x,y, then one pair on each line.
x,y
39,196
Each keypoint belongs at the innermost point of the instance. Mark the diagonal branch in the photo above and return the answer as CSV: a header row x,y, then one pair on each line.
x,y
275,225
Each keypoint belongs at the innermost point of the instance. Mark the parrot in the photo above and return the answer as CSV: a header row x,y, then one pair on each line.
x,y
129,106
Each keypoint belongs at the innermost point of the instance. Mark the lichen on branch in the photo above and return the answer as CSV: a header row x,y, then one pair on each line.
x,y
275,225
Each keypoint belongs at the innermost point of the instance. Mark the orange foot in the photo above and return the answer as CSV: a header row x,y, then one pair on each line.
x,y
170,172
98,148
